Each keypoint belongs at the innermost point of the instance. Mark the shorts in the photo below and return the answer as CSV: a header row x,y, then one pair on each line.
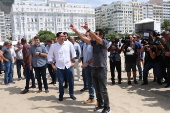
x,y
130,66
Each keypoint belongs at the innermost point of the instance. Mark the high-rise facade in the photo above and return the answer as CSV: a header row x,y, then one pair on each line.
x,y
29,17
166,10
2,27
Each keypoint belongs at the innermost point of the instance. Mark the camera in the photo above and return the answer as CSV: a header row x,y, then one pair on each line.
x,y
157,42
155,34
145,41
125,40
147,47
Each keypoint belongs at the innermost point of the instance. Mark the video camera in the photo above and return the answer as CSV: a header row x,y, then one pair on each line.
x,y
125,40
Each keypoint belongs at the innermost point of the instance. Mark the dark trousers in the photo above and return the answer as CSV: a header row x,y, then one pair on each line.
x,y
61,75
157,68
164,69
29,75
116,65
84,79
168,73
99,76
41,72
52,73
19,63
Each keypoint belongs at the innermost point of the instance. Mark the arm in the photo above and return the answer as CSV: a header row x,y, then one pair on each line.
x,y
18,49
152,54
79,50
84,38
4,57
93,35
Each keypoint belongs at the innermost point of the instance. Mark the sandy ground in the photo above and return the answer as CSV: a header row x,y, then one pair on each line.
x,y
152,98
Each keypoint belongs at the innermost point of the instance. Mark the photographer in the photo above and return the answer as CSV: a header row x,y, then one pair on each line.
x,y
166,35
115,60
131,52
151,61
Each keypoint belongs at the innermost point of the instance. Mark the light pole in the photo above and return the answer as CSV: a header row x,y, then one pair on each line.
x,y
23,22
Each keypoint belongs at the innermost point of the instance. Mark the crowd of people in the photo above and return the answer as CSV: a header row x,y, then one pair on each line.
x,y
63,56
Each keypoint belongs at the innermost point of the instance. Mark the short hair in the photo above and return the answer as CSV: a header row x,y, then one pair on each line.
x,y
165,33
49,40
36,37
71,37
65,33
101,32
24,40
6,42
58,34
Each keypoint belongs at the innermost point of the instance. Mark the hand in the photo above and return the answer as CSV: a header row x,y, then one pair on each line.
x,y
85,65
54,67
167,54
72,64
161,46
30,67
7,60
36,53
21,48
72,27
85,26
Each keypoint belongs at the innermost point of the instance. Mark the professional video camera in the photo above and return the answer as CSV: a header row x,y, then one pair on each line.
x,y
155,34
157,42
145,41
125,40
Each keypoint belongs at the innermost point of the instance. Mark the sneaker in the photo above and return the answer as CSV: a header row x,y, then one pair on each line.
x,y
12,82
19,78
46,91
89,101
79,79
106,110
7,84
98,108
135,82
60,99
73,97
39,91
33,87
144,83
24,91
84,89
129,82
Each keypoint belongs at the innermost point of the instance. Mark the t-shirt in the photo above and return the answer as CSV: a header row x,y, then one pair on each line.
x,y
19,54
131,53
140,47
7,53
99,53
25,52
148,57
114,55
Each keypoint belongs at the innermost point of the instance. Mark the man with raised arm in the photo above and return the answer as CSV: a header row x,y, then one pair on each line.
x,y
99,71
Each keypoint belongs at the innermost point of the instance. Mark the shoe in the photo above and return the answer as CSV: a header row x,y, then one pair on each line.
x,y
113,82
89,101
167,86
144,83
60,99
32,87
165,82
46,91
73,97
12,82
159,82
129,82
7,84
140,78
79,79
106,110
39,91
24,91
98,108
84,89
135,82
19,78
119,82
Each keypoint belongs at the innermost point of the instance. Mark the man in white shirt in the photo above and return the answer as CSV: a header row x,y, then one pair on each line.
x,y
64,55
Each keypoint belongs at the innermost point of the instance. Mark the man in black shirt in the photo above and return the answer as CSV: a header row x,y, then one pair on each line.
x,y
151,61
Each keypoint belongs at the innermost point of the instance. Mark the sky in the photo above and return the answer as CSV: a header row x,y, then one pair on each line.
x,y
96,3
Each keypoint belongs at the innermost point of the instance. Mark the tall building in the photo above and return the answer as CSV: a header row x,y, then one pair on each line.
x,y
158,2
147,10
2,27
29,17
8,25
166,10
157,12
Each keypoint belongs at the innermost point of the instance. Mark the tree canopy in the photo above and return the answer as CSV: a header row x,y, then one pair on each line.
x,y
44,35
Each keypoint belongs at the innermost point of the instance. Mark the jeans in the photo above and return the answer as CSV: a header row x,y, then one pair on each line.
x,y
41,72
77,68
61,74
8,72
18,65
99,76
88,74
116,65
140,70
146,69
29,75
84,79
52,73
12,65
